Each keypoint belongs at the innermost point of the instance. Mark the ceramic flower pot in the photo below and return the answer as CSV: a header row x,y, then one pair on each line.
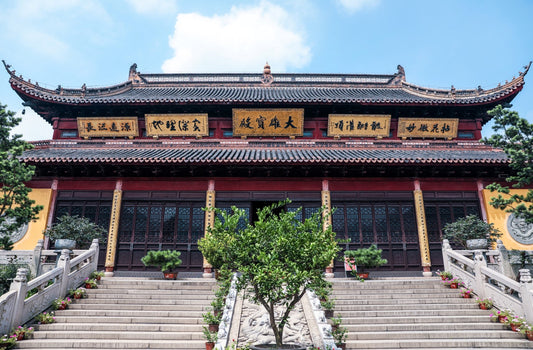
x,y
480,243
60,244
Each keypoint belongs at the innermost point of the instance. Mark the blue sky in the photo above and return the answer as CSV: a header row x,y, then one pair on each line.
x,y
464,43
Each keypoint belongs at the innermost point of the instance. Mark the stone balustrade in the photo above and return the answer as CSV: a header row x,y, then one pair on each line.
x,y
16,308
489,283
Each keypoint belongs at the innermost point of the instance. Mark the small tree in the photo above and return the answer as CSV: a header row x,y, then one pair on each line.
x,y
16,209
278,256
470,227
515,136
81,230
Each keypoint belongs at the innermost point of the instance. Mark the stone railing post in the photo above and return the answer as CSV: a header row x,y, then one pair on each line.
x,y
96,247
445,258
64,264
479,261
526,290
36,263
503,261
20,285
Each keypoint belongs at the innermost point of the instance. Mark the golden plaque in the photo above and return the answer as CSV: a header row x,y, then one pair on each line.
x,y
268,122
359,125
108,127
176,125
428,127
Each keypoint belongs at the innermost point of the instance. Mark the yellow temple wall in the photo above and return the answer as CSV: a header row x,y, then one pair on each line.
x,y
499,218
41,196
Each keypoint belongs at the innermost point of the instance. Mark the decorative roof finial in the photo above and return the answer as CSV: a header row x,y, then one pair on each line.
x,y
266,69
267,78
526,67
401,71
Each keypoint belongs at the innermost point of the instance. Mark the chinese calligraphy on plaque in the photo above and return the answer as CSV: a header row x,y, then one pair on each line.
x,y
176,125
108,127
268,122
359,125
428,127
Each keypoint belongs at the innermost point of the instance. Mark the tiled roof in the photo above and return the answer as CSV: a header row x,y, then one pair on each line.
x,y
264,152
250,88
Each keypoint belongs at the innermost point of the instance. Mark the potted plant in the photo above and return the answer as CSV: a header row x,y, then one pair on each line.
x,y
335,323
278,256
339,337
96,275
79,293
212,321
466,292
366,258
79,231
90,283
515,323
23,332
445,275
8,342
328,306
485,304
210,339
167,260
46,318
61,303
527,329
471,232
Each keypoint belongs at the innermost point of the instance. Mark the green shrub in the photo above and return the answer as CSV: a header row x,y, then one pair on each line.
x,y
81,230
167,260
470,227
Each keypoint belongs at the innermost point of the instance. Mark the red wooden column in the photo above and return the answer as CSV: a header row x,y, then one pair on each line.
x,y
326,202
112,235
423,241
481,201
209,222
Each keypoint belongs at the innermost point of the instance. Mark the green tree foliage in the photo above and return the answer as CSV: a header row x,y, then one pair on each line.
x,y
279,257
81,230
470,227
515,136
16,209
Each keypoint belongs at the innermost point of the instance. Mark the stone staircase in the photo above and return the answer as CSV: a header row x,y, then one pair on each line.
x,y
416,313
131,313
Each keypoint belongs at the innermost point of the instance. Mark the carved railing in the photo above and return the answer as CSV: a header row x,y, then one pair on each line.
x,y
324,327
224,328
17,309
488,283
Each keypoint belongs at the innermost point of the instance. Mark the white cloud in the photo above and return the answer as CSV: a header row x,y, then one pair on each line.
x,y
49,28
32,127
154,7
238,41
353,6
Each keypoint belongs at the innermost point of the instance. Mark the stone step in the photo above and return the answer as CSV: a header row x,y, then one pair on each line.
x,y
386,327
129,319
140,307
396,296
448,342
411,301
355,307
434,334
106,344
169,292
356,291
164,301
119,327
133,313
123,335
409,312
414,319
133,295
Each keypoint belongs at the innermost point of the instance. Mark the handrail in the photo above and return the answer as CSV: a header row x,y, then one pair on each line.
x,y
488,283
16,309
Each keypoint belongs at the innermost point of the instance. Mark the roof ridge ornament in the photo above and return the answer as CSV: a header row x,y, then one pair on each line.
x,y
7,66
399,76
134,74
267,78
522,74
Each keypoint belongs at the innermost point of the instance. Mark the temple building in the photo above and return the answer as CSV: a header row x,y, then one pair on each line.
x,y
397,161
